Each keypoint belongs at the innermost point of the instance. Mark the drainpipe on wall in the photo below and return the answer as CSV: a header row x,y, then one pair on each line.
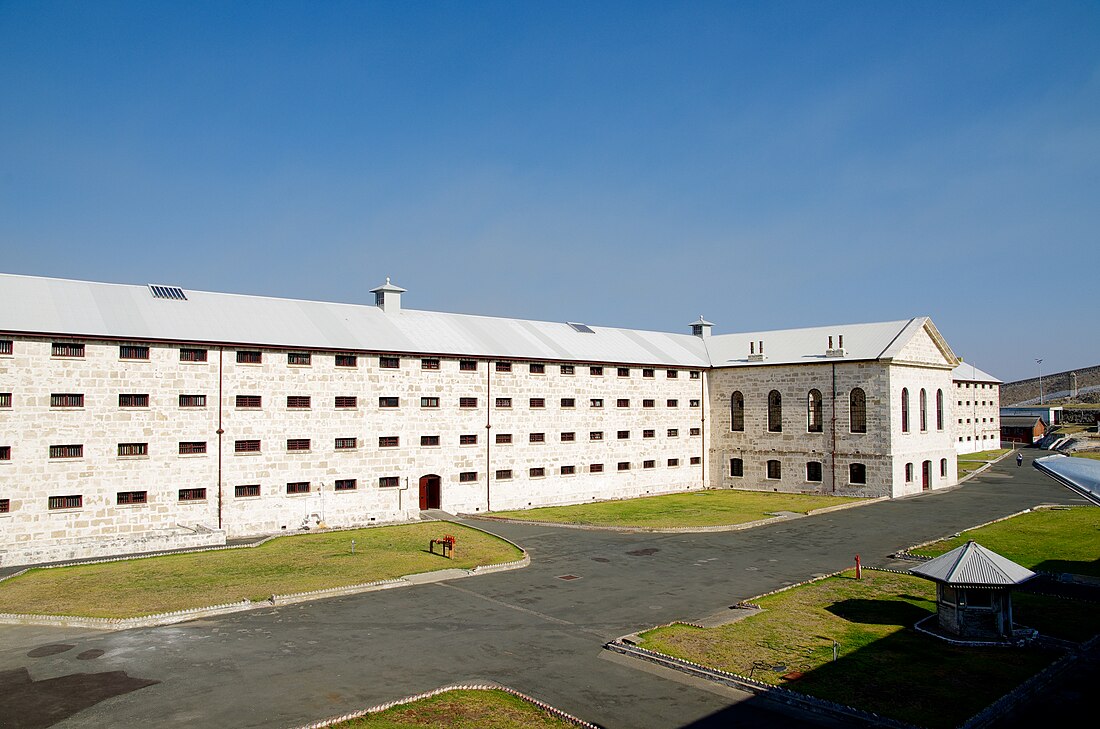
x,y
220,433
488,429
703,426
832,454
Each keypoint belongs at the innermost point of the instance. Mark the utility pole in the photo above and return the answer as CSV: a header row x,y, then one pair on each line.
x,y
1040,363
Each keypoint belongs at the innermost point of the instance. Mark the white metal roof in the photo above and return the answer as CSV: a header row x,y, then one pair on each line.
x,y
53,307
974,565
1080,475
967,372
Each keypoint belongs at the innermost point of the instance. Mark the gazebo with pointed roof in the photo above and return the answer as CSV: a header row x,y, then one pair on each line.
x,y
974,590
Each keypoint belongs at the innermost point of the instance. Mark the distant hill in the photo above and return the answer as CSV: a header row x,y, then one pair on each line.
x,y
1057,385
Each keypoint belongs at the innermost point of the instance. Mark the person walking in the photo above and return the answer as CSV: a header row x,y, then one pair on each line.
x,y
1019,459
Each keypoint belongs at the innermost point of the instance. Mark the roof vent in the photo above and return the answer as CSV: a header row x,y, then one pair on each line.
x,y
701,327
387,297
582,328
160,291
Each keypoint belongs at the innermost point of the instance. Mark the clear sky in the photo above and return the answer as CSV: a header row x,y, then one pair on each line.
x,y
767,165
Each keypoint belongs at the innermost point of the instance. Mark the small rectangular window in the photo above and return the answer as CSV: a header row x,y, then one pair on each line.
x,y
673,432
297,444
774,470
298,487
188,354
673,403
649,464
345,484
647,372
347,360
192,447
568,369
538,369
67,349
568,402
694,374
192,494
124,498
66,451
246,446
695,460
389,441
299,358
389,482
649,433
346,402
249,401
429,440
298,402
5,506
430,363
388,402
252,489
622,403
468,439
467,365
537,438
596,468
737,467
673,374
192,401
568,470
504,366
66,400
5,399
467,476
673,462
504,402
504,474
596,371
623,434
346,444
538,402
467,402
693,403
389,363
429,402
623,372
623,466
649,403
536,473
249,357
503,438
813,471
5,453
596,402
568,437
695,431
133,401
5,346
595,435
133,449
66,502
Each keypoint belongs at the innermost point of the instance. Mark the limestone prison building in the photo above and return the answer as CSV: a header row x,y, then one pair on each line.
x,y
137,418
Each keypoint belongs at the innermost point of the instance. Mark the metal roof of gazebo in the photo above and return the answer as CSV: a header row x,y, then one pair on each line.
x,y
972,565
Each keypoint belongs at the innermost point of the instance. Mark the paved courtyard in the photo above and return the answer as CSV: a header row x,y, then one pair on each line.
x,y
527,629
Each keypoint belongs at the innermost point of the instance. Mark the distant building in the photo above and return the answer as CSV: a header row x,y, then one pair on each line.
x,y
1025,429
977,409
137,418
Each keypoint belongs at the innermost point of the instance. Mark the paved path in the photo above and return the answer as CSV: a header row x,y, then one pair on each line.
x,y
526,629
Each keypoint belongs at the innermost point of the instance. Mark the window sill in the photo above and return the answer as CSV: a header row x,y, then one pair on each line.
x,y
75,510
132,506
248,453
196,501
132,458
192,455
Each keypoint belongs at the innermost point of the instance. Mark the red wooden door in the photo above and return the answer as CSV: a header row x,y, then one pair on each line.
x,y
429,492
926,475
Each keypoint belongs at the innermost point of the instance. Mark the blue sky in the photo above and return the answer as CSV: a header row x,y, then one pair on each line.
x,y
768,165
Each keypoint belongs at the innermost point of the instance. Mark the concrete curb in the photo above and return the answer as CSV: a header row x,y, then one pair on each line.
x,y
486,686
982,469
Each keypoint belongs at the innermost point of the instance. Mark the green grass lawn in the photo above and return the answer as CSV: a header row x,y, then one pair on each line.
x,y
1055,540
289,564
462,709
971,462
696,508
884,666
1087,454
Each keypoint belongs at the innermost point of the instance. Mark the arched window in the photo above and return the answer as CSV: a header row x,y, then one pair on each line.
x,y
905,412
939,409
943,467
775,412
857,474
774,471
737,411
857,411
923,410
813,411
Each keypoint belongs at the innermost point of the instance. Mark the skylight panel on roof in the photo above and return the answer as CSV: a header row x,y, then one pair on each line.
x,y
174,293
582,328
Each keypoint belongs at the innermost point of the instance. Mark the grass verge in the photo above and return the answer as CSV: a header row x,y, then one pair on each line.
x,y
462,709
970,462
1095,455
884,666
692,509
1053,540
289,564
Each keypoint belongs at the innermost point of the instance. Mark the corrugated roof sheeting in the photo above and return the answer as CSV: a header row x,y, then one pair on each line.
x,y
800,346
973,565
969,373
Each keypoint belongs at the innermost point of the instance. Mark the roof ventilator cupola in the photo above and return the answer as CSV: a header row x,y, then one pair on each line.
x,y
755,356
701,327
837,351
388,297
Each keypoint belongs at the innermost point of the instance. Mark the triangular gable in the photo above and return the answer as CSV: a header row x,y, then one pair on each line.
x,y
921,343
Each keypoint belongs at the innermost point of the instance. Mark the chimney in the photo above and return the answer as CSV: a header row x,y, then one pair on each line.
x,y
838,351
701,328
755,354
388,297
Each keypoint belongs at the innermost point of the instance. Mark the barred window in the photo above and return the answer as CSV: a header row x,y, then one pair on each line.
x,y
814,420
939,409
66,451
595,435
347,360
67,349
538,368
133,449
623,465
467,402
905,413
538,402
345,402
504,402
468,439
297,402
388,402
429,440
649,433
504,474
673,462
623,434
737,467
129,351
923,410
695,460
346,444
695,431
297,444
694,374
504,366
66,400
249,357
133,400
503,438
467,365
813,471
649,464
345,484
429,402
568,369
774,470
192,355
568,437
192,494
252,489
389,482
649,403
299,358
537,438
943,467
908,472
192,401
648,372
5,453
693,403
596,468
298,487
249,401
5,399
596,402
389,441
857,474
623,372
673,374
123,498
568,402
775,412
193,447
673,433
5,506
467,476
568,470
622,403
857,411
5,346
66,502
429,364
246,446
596,371
536,473
673,403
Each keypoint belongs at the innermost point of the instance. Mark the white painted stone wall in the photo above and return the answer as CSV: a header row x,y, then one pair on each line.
x,y
977,416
